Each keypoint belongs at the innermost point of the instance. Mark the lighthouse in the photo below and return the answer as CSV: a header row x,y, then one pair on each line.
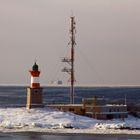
x,y
34,92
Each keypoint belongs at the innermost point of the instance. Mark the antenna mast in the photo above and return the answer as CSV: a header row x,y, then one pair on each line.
x,y
70,61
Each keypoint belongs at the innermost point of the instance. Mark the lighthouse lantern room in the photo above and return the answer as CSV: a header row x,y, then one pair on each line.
x,y
34,92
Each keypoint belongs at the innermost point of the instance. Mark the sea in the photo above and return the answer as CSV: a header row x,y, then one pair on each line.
x,y
15,96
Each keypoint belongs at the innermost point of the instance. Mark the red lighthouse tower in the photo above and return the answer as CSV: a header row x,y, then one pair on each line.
x,y
34,92
35,76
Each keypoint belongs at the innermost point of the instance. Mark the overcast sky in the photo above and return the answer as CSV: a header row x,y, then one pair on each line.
x,y
108,40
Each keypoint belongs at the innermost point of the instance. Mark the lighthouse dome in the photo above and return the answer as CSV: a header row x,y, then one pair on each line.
x,y
35,67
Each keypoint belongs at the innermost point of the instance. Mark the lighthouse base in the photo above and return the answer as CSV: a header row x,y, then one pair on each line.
x,y
34,98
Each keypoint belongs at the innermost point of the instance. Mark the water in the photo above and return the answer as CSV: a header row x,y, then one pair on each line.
x,y
16,96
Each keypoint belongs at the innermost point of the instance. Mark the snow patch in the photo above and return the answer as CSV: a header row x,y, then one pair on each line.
x,y
45,118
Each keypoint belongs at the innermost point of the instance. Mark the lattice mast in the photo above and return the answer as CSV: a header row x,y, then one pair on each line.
x,y
70,61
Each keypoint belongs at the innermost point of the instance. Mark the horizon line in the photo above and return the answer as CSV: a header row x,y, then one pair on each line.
x,y
66,85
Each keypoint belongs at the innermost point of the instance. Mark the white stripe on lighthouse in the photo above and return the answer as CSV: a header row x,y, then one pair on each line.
x,y
34,79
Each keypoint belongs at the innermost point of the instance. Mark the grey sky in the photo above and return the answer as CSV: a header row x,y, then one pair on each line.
x,y
108,44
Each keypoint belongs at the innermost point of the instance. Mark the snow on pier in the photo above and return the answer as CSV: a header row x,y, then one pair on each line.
x,y
13,119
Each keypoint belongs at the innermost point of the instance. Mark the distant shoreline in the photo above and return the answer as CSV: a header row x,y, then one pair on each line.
x,y
76,86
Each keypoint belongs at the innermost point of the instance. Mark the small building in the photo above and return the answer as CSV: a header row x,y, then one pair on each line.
x,y
95,108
